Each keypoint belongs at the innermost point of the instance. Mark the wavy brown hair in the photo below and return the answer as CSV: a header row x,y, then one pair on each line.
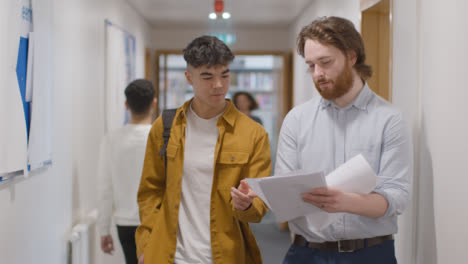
x,y
341,34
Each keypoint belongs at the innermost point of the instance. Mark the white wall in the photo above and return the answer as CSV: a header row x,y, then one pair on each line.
x,y
443,71
429,85
38,213
304,88
248,38
84,32
406,94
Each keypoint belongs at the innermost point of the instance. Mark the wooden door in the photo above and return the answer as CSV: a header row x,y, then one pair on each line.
x,y
376,31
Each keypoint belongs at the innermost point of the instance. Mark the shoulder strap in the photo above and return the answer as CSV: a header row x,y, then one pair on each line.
x,y
167,118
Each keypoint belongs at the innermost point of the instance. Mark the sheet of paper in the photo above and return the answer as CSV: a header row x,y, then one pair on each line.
x,y
284,194
29,69
356,175
254,185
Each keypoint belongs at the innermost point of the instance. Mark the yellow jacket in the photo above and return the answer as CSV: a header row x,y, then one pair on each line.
x,y
242,151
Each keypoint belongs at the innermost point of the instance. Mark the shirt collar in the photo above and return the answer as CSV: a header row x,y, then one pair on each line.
x,y
360,102
229,114
363,99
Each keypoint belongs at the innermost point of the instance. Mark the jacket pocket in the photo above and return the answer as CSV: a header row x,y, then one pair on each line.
x,y
229,167
234,158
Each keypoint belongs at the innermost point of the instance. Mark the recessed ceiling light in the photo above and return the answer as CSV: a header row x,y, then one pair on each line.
x,y
226,15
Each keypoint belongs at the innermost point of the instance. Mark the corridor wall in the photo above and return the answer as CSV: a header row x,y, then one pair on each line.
x,y
38,213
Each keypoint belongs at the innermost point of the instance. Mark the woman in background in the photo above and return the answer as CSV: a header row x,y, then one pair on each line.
x,y
245,102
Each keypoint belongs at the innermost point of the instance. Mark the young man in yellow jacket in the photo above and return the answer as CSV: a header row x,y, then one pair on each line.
x,y
196,208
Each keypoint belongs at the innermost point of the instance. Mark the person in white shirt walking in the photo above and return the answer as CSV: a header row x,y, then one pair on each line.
x,y
121,159
325,132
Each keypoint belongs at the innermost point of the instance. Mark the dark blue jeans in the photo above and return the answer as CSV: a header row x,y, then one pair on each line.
x,y
381,254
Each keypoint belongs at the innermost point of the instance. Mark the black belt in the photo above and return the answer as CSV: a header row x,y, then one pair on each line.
x,y
342,245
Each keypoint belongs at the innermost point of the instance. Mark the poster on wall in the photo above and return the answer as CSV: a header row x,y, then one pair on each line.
x,y
39,91
120,71
25,105
14,109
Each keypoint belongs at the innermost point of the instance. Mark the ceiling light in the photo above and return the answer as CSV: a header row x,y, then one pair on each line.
x,y
226,15
219,11
212,15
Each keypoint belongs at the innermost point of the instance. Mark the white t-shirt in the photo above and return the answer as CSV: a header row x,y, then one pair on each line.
x,y
194,237
120,166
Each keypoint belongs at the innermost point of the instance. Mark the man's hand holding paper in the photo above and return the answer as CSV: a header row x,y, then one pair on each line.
x,y
354,181
346,189
328,199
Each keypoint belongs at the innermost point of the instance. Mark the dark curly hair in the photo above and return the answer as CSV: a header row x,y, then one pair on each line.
x,y
253,103
209,51
140,95
341,34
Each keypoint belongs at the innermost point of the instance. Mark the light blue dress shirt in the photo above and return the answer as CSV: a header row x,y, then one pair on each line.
x,y
320,136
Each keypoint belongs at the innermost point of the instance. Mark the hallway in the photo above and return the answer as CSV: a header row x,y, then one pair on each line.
x,y
427,81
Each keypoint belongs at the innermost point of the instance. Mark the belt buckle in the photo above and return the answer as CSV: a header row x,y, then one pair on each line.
x,y
341,249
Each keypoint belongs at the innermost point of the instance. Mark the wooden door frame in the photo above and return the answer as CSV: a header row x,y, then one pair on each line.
x,y
369,4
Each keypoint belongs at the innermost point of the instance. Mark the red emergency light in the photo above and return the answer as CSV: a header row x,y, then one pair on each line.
x,y
218,6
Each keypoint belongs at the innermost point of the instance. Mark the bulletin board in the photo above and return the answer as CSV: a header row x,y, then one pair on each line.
x,y
120,71
25,97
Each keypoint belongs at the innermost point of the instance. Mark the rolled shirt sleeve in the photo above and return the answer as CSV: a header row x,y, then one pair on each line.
x,y
396,166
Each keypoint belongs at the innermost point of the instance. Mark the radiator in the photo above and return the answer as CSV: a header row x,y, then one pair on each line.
x,y
79,240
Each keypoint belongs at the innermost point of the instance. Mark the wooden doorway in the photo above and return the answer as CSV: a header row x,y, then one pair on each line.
x,y
376,31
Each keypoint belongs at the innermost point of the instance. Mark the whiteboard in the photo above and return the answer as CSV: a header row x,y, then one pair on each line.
x,y
120,71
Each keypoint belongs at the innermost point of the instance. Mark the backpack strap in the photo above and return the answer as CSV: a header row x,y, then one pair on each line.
x,y
167,118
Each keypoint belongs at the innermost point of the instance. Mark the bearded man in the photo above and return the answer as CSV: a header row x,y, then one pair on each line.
x,y
346,120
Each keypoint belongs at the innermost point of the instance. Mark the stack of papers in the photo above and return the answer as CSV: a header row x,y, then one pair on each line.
x,y
283,193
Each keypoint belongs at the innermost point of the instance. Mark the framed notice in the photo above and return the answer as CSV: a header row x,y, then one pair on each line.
x,y
120,71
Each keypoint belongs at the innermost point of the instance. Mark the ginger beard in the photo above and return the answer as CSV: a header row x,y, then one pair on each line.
x,y
339,87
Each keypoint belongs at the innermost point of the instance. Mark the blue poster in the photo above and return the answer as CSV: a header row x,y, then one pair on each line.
x,y
22,62
25,141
